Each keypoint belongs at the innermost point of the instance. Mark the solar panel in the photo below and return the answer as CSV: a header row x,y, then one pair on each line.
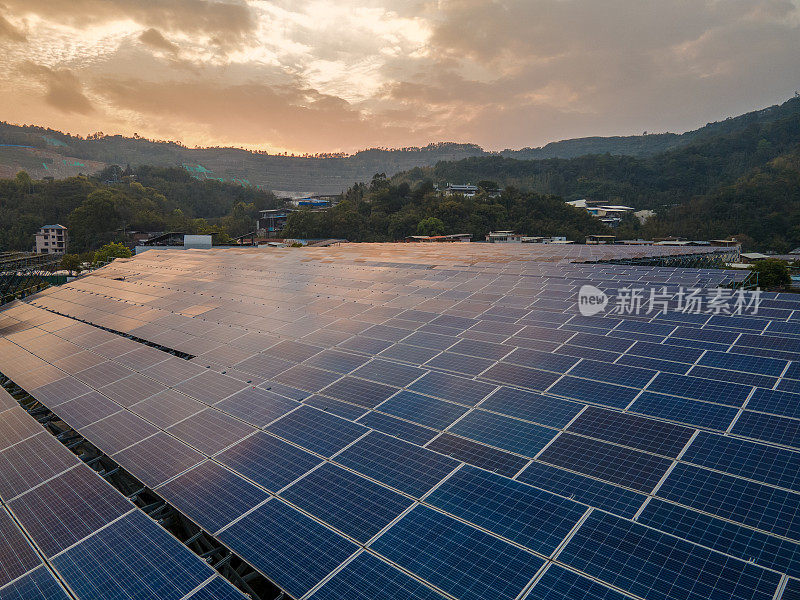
x,y
532,518
131,559
308,550
367,577
654,565
352,504
503,432
39,584
211,495
17,557
270,462
455,557
439,318
401,465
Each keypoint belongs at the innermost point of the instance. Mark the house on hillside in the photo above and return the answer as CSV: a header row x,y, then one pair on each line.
x,y
52,239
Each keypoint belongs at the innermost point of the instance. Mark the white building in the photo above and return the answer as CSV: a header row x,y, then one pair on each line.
x,y
52,239
467,191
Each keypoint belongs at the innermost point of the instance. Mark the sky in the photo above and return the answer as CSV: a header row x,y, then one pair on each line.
x,y
338,76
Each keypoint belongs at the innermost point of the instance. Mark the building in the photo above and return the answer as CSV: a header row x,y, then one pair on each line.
x,y
52,239
600,239
453,237
468,191
610,214
272,220
644,215
504,237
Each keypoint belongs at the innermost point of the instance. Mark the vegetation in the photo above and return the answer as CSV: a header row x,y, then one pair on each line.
x,y
107,207
772,273
111,251
384,211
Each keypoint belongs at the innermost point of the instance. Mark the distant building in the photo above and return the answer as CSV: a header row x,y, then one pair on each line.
x,y
600,239
610,214
504,237
464,190
272,220
52,239
644,215
453,237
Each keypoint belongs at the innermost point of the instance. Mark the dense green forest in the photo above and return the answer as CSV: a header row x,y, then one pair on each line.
x,y
144,199
653,182
385,211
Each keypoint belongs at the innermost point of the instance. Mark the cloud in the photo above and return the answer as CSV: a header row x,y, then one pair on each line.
x,y
152,37
311,75
63,90
8,31
284,115
225,24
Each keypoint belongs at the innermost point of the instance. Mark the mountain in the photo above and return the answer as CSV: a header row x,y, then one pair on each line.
x,y
45,152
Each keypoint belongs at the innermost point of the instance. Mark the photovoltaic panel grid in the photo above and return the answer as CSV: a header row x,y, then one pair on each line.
x,y
396,420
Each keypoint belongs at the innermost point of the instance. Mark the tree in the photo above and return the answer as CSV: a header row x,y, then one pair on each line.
x,y
71,263
772,273
430,226
111,251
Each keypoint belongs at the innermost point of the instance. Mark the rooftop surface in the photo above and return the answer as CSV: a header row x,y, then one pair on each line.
x,y
404,421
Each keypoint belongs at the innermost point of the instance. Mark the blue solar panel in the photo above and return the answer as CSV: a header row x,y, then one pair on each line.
x,y
39,584
656,566
317,430
268,461
731,394
460,560
368,577
390,373
450,387
629,430
217,589
359,391
131,559
211,495
335,407
612,373
742,362
403,466
761,506
742,542
404,430
768,428
741,377
747,459
656,364
683,410
295,550
580,488
519,376
780,403
67,508
256,406
16,555
503,432
423,409
558,583
593,391
618,465
530,406
352,504
533,518
664,352
478,454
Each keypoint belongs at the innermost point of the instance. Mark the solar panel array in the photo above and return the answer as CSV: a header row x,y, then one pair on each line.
x,y
392,421
66,533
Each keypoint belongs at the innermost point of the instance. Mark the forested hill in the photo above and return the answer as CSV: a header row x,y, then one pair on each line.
x,y
657,181
45,152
